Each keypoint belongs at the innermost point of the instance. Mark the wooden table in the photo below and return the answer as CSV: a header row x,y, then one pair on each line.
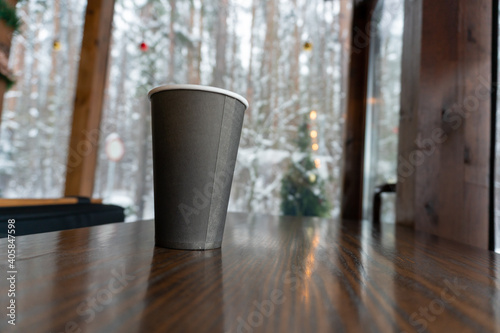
x,y
273,274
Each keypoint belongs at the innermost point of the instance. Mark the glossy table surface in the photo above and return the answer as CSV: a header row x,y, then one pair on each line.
x,y
273,274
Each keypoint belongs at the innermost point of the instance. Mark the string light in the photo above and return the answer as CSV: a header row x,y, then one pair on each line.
x,y
317,162
313,115
315,147
314,134
312,178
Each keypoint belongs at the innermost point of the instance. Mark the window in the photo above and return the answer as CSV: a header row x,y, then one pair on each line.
x,y
383,104
36,117
287,58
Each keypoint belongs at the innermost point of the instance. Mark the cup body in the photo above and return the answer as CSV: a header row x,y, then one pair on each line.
x,y
196,133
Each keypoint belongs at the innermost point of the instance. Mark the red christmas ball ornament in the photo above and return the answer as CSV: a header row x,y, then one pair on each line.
x,y
144,47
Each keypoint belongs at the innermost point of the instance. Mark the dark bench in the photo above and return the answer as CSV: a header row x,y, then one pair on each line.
x,y
46,218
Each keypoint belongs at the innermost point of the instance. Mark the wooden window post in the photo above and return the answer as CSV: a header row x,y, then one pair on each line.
x,y
354,137
92,72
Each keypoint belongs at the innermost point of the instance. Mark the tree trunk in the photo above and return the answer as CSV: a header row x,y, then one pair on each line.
x,y
171,48
141,176
344,38
250,87
294,71
190,50
46,108
234,55
267,69
197,78
220,45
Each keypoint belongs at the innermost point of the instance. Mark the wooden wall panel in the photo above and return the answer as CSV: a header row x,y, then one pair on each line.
x,y
92,74
475,61
445,119
410,75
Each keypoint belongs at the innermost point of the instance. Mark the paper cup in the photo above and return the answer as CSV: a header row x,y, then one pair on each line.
x,y
196,133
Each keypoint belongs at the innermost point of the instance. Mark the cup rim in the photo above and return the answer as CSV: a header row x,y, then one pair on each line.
x,y
199,88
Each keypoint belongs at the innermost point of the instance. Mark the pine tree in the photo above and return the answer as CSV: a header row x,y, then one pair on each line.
x,y
302,189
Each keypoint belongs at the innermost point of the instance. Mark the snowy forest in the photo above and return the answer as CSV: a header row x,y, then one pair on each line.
x,y
287,57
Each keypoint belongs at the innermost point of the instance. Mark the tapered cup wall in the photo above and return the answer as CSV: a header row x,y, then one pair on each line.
x,y
196,133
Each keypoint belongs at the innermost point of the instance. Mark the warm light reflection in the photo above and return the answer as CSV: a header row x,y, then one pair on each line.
x,y
310,263
315,147
317,163
313,115
310,259
314,134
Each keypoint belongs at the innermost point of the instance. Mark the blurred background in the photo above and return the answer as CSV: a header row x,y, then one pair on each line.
x,y
288,58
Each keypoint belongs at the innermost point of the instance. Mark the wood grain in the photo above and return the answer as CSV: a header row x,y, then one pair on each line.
x,y
410,74
445,136
92,74
273,274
